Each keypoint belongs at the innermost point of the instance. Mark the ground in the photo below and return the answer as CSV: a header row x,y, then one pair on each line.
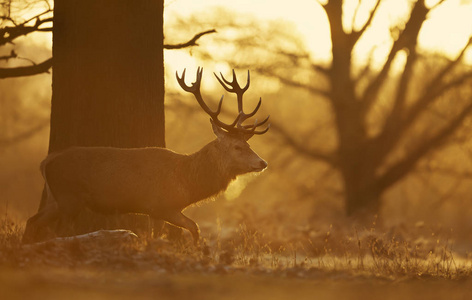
x,y
110,264
72,283
247,265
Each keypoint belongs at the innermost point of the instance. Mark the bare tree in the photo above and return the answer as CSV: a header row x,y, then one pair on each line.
x,y
370,156
13,26
361,157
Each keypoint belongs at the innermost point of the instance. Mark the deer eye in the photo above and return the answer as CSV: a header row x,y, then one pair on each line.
x,y
238,148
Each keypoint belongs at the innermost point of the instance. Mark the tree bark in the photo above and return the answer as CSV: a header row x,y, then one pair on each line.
x,y
108,79
362,195
108,75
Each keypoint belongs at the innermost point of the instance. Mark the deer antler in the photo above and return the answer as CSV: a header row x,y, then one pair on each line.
x,y
232,87
195,90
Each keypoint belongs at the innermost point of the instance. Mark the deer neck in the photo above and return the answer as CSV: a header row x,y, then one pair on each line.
x,y
207,175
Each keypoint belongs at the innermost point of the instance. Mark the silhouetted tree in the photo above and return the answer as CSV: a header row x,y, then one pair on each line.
x,y
362,157
13,26
369,156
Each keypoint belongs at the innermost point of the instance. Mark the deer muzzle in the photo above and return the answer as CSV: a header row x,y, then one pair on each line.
x,y
262,165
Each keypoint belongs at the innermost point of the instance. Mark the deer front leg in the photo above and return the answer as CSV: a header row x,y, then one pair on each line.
x,y
178,219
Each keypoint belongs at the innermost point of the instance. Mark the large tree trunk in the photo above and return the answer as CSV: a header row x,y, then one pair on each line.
x,y
108,80
362,195
355,166
108,75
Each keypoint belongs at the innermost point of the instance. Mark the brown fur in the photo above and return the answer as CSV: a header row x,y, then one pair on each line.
x,y
153,181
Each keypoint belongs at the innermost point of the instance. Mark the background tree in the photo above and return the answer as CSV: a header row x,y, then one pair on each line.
x,y
20,22
18,19
386,117
362,157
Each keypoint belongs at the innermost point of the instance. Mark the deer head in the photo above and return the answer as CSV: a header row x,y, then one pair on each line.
x,y
232,138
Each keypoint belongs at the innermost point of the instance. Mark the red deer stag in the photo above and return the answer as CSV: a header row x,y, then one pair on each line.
x,y
153,181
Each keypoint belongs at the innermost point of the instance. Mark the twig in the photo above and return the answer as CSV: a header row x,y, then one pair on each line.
x,y
26,71
190,43
9,33
12,54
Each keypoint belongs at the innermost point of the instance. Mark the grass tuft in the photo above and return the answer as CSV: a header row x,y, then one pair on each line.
x,y
309,253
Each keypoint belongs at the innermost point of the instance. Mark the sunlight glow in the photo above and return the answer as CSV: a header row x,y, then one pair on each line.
x,y
448,28
446,31
237,186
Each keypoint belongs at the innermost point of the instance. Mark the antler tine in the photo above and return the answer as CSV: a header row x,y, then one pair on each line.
x,y
248,81
218,110
233,86
253,126
262,131
195,87
253,130
195,90
247,116
224,82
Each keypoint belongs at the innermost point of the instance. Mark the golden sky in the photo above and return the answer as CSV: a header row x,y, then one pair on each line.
x,y
447,29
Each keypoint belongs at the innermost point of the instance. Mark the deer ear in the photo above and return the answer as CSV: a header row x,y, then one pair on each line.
x,y
217,130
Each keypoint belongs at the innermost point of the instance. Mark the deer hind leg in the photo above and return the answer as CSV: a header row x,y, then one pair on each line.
x,y
178,219
41,226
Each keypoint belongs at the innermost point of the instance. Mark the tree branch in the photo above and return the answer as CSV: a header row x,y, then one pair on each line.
x,y
287,138
445,171
10,33
437,4
397,126
320,69
393,120
358,34
293,83
26,71
12,54
404,166
438,79
190,43
46,65
407,39
430,96
393,129
354,15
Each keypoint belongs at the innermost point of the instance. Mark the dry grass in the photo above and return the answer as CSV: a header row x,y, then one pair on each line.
x,y
242,263
394,254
